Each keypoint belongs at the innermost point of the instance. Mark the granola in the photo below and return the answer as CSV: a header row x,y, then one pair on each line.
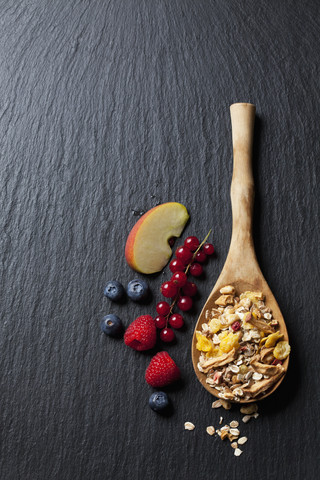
x,y
241,347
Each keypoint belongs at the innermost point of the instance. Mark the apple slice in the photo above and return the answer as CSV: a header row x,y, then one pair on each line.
x,y
147,248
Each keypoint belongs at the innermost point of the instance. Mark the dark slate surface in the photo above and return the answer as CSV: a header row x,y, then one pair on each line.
x,y
106,109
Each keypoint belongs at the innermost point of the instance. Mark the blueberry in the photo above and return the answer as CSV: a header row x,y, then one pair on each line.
x,y
137,290
159,401
111,325
114,290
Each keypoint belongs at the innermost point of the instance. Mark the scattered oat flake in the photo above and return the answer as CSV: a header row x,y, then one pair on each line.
x,y
221,420
217,404
246,418
226,405
237,452
234,445
242,440
189,426
211,430
234,424
255,415
235,432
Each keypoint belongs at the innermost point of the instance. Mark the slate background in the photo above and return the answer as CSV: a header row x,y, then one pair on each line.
x,y
108,108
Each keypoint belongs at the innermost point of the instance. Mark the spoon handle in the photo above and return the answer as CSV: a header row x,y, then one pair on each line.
x,y
242,185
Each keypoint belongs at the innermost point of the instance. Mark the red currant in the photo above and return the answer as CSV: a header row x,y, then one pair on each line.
x,y
179,279
200,257
192,243
184,254
236,326
208,249
167,335
163,308
190,289
176,266
176,320
160,321
196,269
168,289
184,303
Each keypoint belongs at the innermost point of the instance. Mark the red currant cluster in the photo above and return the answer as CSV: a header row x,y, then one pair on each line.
x,y
189,259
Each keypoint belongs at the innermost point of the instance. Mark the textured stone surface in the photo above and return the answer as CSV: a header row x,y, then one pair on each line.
x,y
107,108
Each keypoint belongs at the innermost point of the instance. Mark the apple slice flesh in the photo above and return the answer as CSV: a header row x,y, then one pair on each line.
x,y
147,248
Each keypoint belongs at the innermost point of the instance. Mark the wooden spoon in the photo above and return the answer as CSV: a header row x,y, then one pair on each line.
x,y
241,268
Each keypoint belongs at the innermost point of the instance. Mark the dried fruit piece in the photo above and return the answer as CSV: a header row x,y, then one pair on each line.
x,y
224,300
281,350
272,339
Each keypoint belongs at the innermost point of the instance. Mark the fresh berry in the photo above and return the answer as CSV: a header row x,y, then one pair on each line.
x,y
208,249
184,254
200,257
196,269
184,303
114,290
162,370
137,290
159,401
163,308
179,279
176,320
169,290
167,335
160,321
176,266
236,326
189,289
141,333
192,243
111,325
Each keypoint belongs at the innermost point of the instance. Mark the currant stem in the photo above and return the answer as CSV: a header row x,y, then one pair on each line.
x,y
186,271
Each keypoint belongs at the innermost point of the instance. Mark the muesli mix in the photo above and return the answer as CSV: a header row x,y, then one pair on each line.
x,y
242,349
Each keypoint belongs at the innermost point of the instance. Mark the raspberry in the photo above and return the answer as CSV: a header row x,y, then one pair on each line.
x,y
162,370
141,334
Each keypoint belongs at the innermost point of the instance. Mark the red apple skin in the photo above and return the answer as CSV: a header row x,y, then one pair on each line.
x,y
129,248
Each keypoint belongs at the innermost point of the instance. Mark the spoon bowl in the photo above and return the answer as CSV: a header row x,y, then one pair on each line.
x,y
241,269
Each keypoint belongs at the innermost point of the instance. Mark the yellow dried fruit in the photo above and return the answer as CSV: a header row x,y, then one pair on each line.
x,y
281,350
253,296
203,343
229,342
272,339
214,325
